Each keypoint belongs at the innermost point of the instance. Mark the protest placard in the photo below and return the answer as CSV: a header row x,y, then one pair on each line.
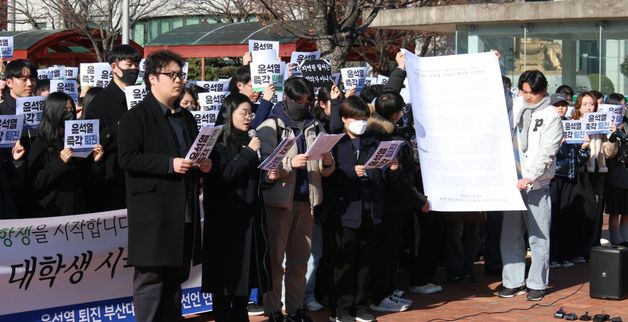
x,y
382,80
616,112
322,144
214,86
95,74
273,162
10,129
44,73
204,143
71,72
298,57
257,45
354,77
68,86
597,123
277,97
134,95
211,101
266,69
56,72
32,108
385,152
141,70
6,47
82,136
573,131
318,72
205,118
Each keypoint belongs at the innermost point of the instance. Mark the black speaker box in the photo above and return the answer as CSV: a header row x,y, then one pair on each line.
x,y
609,272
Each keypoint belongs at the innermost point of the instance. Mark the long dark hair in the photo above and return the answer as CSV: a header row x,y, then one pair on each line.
x,y
54,117
229,105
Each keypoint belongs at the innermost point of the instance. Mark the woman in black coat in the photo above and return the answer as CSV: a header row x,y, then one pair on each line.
x,y
59,180
235,251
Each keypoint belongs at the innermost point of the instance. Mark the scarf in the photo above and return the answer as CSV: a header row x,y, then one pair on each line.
x,y
524,118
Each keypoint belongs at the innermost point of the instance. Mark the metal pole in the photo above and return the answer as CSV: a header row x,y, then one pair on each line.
x,y
125,22
203,68
13,14
599,81
525,48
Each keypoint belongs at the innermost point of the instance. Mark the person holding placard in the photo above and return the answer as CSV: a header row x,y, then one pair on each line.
x,y
568,195
292,197
595,176
108,107
241,83
616,192
357,215
162,191
537,135
235,243
60,181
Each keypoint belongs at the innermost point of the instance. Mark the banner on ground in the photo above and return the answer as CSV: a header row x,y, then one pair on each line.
x,y
82,136
459,175
10,129
573,131
84,259
32,108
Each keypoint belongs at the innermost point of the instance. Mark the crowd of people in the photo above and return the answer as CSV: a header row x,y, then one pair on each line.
x,y
311,231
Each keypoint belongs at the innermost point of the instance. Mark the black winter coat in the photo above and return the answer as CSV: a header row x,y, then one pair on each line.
x,y
235,250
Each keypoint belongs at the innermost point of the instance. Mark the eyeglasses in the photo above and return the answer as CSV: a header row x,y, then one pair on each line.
x,y
172,75
245,115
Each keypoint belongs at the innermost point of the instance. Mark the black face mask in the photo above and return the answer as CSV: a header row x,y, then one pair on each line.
x,y
297,111
129,76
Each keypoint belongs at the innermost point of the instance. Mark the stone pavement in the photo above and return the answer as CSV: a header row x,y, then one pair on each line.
x,y
476,301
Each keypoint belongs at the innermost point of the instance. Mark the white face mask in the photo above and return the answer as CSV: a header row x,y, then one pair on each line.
x,y
357,127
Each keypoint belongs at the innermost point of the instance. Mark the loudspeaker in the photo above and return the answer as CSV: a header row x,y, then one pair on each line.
x,y
609,272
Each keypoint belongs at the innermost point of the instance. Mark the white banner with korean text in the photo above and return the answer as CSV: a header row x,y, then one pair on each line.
x,y
73,268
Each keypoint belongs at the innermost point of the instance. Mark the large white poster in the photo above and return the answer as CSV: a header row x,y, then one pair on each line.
x,y
74,268
466,151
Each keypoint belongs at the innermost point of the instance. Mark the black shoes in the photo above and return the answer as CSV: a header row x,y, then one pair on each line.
x,y
535,295
511,292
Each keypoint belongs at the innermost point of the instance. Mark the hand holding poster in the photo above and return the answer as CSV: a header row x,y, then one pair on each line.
x,y
354,77
81,136
134,94
266,69
385,153
10,129
597,123
323,144
32,108
205,118
616,112
274,159
573,131
203,144
6,47
257,45
318,72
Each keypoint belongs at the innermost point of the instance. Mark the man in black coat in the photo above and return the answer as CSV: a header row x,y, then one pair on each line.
x,y
108,106
162,199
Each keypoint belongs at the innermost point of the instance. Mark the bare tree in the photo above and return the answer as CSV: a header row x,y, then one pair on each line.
x,y
221,10
98,20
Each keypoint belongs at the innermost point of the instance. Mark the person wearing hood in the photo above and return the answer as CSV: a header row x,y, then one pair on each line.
x,y
295,190
108,106
537,133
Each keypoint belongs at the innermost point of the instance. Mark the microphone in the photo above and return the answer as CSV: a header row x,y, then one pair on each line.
x,y
253,134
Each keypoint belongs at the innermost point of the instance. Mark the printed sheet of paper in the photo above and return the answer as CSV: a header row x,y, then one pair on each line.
x,y
324,143
466,150
81,136
385,152
204,143
273,161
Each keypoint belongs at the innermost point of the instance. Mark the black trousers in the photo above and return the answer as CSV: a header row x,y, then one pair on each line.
x,y
492,236
389,239
428,249
157,290
352,260
230,308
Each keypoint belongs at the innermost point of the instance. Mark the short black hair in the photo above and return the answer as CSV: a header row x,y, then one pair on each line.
x,y
42,85
123,52
15,67
615,98
565,90
241,75
156,61
597,94
534,78
388,104
369,93
354,107
297,87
